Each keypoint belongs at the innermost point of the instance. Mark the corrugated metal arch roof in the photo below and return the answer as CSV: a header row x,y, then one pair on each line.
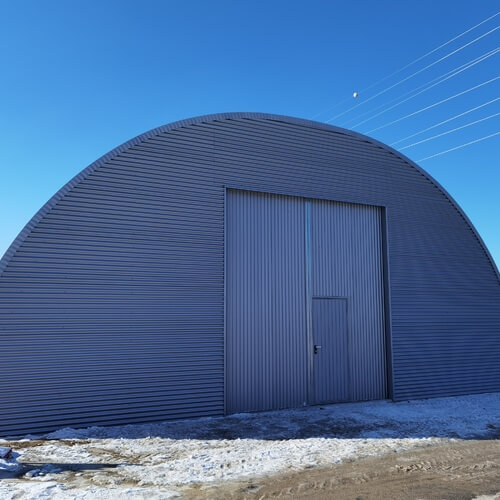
x,y
217,117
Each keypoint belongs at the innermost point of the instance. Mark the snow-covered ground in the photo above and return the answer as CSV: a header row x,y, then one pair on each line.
x,y
157,460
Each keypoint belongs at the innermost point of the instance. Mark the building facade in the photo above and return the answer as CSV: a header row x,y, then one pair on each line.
x,y
243,262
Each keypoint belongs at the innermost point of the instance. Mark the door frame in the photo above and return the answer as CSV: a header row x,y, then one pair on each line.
x,y
386,283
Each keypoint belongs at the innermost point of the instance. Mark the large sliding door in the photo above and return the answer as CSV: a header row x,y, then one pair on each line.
x,y
304,302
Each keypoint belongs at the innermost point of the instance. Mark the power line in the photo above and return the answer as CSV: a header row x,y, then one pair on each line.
x,y
410,63
450,131
445,121
441,79
420,86
458,147
414,74
430,52
432,105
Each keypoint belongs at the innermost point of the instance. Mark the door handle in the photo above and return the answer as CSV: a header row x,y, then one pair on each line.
x,y
316,348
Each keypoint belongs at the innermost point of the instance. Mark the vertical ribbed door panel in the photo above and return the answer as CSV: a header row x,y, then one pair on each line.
x,y
265,336
347,262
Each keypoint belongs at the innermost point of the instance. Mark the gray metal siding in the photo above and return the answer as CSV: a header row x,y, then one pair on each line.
x,y
111,299
265,308
347,262
121,309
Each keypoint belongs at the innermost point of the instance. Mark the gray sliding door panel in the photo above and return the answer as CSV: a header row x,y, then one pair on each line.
x,y
347,262
265,308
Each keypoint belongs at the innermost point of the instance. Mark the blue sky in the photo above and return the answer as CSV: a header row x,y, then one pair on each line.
x,y
80,77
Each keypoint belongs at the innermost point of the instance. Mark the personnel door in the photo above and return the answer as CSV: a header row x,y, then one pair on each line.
x,y
330,350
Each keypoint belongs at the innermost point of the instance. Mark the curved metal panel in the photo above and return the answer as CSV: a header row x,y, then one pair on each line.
x,y
227,116
111,298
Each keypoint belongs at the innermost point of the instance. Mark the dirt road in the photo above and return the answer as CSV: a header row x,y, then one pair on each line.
x,y
457,470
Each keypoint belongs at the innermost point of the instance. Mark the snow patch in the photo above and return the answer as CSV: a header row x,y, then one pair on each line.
x,y
156,460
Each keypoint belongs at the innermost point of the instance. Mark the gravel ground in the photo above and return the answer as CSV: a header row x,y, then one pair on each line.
x,y
457,470
169,459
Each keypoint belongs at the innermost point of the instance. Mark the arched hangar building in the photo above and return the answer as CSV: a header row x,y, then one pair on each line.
x,y
240,262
